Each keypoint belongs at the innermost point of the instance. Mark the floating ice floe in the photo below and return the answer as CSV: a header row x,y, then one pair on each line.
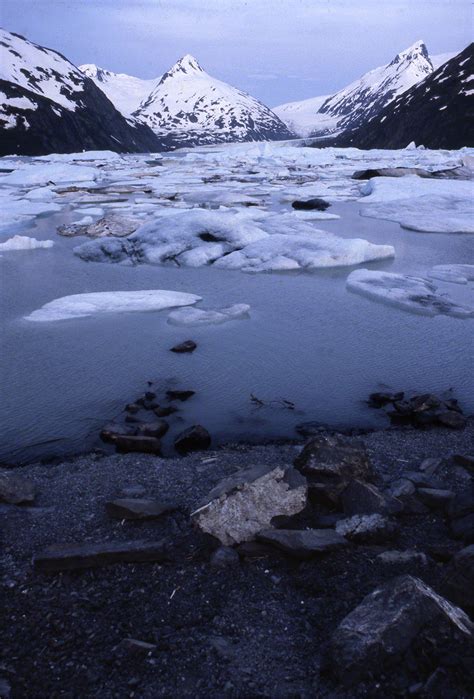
x,y
41,172
429,205
24,242
458,274
199,316
413,294
249,240
82,305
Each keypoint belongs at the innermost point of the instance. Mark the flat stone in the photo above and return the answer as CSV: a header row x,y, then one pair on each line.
x,y
95,555
435,498
402,557
371,529
15,489
330,463
179,395
184,347
431,466
138,443
195,438
363,498
401,616
244,504
303,543
459,580
137,508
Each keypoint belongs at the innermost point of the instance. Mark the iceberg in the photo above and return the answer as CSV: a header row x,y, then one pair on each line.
x,y
24,242
199,316
82,305
413,294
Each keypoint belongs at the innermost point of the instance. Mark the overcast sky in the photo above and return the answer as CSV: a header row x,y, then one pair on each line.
x,y
278,50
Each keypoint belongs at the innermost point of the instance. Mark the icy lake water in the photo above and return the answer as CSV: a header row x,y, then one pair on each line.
x,y
308,340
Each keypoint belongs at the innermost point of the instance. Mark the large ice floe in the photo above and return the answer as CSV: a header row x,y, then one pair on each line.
x,y
232,239
199,316
413,294
82,305
23,242
429,205
458,274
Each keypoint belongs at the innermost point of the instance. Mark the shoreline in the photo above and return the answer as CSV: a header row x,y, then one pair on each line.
x,y
258,627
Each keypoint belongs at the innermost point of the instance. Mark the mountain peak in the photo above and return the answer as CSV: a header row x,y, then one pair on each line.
x,y
93,71
187,65
413,52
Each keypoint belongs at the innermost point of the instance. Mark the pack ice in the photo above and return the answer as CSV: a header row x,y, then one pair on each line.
x,y
82,305
233,239
24,242
430,205
458,274
199,316
413,294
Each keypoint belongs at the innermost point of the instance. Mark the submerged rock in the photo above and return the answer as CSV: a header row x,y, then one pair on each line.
x,y
316,203
244,504
404,627
179,395
184,347
195,438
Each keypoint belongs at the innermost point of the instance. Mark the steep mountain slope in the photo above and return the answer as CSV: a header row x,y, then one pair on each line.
x,y
436,113
197,108
124,91
363,98
47,105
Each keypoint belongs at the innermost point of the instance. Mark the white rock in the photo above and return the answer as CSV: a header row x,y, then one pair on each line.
x,y
81,305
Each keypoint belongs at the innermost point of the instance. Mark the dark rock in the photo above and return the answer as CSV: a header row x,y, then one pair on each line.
x,y
463,528
183,347
452,419
442,552
435,498
224,557
138,508
132,408
149,395
153,429
5,689
311,204
254,549
464,460
179,395
15,489
244,504
431,466
92,555
330,463
404,491
310,429
137,443
463,504
165,411
195,438
363,498
304,543
421,479
402,619
328,521
403,557
109,433
366,529
459,580
378,400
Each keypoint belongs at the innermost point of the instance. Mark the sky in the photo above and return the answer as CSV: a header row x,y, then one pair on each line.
x,y
277,50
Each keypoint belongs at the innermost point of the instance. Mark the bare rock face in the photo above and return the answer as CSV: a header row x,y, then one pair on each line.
x,y
405,626
16,490
243,505
330,463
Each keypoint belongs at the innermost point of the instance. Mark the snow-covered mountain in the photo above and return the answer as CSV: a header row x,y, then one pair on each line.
x,y
198,108
48,105
124,91
363,98
438,112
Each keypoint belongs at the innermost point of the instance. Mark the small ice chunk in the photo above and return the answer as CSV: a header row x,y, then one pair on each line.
x,y
81,305
413,294
458,274
24,242
199,316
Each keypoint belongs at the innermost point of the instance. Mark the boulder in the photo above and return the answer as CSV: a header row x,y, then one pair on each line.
x,y
137,443
452,419
459,580
404,627
435,498
137,508
379,400
311,204
152,429
330,462
184,347
465,461
195,438
461,514
244,504
92,555
363,498
366,529
463,528
403,557
303,543
179,395
165,411
15,489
